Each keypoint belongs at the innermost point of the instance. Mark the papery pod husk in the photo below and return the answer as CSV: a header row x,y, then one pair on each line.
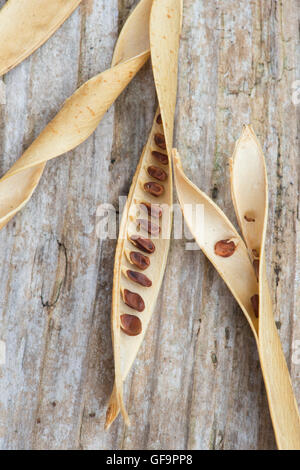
x,y
26,24
249,187
237,270
79,116
165,25
249,193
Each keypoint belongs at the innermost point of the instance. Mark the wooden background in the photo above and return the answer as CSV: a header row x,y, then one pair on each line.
x,y
196,383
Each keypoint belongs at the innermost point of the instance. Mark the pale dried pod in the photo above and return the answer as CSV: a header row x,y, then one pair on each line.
x,y
248,170
240,272
165,19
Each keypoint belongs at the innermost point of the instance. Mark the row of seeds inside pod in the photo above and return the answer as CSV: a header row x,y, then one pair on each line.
x,y
131,324
226,248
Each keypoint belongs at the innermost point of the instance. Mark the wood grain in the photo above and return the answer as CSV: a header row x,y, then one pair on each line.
x,y
196,383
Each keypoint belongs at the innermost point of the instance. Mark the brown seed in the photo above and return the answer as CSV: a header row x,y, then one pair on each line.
x,y
152,209
139,278
159,139
158,119
155,189
141,261
157,173
225,248
148,226
131,325
133,300
256,267
161,157
255,304
142,243
249,218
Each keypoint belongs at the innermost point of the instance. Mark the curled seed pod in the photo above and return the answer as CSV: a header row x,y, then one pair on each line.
x,y
130,324
138,259
255,304
152,209
158,119
237,271
161,157
160,141
157,173
155,189
133,300
139,278
142,243
148,226
225,248
248,171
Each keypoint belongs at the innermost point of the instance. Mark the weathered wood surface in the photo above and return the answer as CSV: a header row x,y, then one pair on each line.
x,y
196,383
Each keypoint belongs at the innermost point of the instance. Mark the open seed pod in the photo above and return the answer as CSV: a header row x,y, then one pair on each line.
x,y
249,189
80,115
220,242
144,236
26,25
242,266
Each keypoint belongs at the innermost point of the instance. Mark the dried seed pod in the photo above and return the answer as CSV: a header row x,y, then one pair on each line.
x,y
130,324
148,226
161,157
237,270
139,278
138,259
153,210
160,141
17,19
248,171
165,20
255,304
225,248
155,189
142,243
157,173
133,300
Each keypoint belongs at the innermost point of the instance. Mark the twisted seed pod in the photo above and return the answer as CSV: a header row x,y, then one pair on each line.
x,y
236,270
249,189
79,116
249,193
165,25
26,25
